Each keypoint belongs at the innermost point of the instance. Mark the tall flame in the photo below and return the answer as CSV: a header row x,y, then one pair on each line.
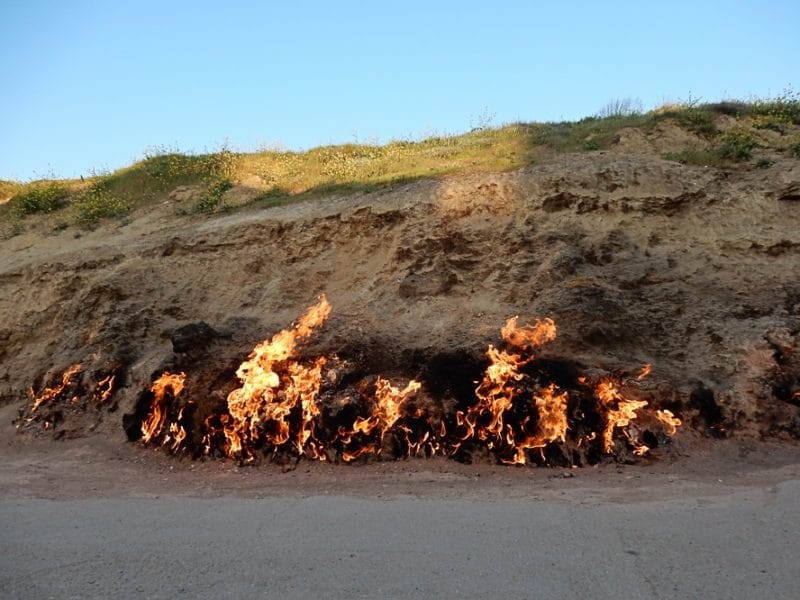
x,y
266,398
620,416
157,417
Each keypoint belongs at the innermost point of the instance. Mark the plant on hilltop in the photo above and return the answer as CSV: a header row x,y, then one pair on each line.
x,y
624,107
98,202
43,196
736,145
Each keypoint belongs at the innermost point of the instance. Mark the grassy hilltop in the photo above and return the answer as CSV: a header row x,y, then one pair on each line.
x,y
724,134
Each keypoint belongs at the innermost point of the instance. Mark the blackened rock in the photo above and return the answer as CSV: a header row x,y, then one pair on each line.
x,y
192,337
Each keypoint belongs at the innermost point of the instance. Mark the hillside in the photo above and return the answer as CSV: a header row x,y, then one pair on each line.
x,y
670,239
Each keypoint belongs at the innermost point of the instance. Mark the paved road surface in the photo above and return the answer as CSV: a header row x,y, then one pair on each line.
x,y
742,546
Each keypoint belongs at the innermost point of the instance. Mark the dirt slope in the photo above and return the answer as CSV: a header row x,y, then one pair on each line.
x,y
637,259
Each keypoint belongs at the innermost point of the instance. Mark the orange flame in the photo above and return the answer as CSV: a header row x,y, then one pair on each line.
x,y
49,394
154,422
528,336
385,414
670,421
551,427
619,417
104,389
266,398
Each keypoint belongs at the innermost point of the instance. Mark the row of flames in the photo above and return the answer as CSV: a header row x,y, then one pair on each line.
x,y
277,408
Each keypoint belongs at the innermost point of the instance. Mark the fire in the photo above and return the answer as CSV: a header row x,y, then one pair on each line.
x,y
67,396
50,393
154,422
386,412
272,387
528,336
104,389
289,405
620,416
670,421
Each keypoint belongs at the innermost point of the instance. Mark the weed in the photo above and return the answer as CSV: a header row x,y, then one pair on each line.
x,y
625,107
98,202
219,166
43,196
695,157
213,201
737,145
776,113
732,108
763,163
696,119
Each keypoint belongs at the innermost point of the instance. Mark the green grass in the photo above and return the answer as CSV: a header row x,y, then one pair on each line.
x,y
40,196
98,202
285,176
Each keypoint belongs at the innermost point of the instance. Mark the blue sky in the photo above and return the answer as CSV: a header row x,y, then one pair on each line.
x,y
91,85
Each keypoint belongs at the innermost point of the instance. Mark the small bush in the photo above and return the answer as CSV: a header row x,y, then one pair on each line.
x,y
763,163
732,108
737,145
170,167
213,200
697,120
98,202
40,197
625,107
779,111
219,166
695,157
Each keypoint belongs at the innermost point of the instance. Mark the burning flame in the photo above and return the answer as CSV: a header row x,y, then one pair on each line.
x,y
287,404
104,389
155,420
266,398
620,416
49,394
386,412
670,421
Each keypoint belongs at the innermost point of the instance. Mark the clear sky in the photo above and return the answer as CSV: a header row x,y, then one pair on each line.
x,y
91,84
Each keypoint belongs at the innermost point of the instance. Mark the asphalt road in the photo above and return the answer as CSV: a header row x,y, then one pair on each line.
x,y
741,546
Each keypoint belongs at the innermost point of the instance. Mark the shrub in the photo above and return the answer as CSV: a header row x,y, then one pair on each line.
x,y
737,145
763,163
733,108
213,200
219,166
695,157
779,111
98,202
625,107
698,120
44,196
